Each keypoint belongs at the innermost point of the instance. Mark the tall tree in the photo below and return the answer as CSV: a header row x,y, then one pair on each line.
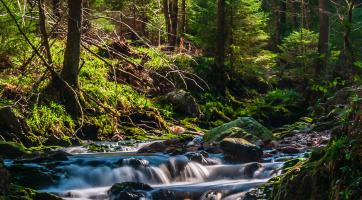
x,y
170,9
220,42
182,28
72,54
323,42
347,32
280,21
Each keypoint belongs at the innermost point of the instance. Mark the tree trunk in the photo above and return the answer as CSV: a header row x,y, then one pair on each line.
x,y
72,55
166,12
170,8
219,71
294,14
43,31
174,17
323,42
346,36
283,18
277,25
183,18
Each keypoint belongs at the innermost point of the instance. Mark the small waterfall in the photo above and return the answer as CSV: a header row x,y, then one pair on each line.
x,y
89,176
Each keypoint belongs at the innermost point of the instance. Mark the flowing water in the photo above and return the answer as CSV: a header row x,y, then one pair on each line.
x,y
86,176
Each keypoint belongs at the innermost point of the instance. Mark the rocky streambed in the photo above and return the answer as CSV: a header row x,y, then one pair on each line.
x,y
225,163
171,169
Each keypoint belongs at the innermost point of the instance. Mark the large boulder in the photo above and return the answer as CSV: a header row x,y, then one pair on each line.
x,y
240,150
4,180
243,127
14,128
184,102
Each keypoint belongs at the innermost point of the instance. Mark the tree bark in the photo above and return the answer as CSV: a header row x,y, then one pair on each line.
x,y
183,18
72,55
43,31
277,24
293,8
346,36
323,42
170,8
220,44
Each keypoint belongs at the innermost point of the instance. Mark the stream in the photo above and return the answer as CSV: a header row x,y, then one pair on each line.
x,y
86,176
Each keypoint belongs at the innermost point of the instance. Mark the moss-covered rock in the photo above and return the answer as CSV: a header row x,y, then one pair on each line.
x,y
12,150
20,193
32,176
243,127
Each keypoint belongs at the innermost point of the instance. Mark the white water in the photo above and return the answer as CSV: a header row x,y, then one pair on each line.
x,y
89,176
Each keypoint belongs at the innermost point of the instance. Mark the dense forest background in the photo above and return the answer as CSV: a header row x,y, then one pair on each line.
x,y
144,69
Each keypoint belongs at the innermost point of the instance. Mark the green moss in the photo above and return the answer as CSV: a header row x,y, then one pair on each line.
x,y
22,193
48,119
249,125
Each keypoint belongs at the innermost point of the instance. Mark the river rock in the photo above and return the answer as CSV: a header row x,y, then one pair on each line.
x,y
163,194
154,147
135,162
128,191
32,176
243,127
12,150
290,150
45,157
184,102
201,157
4,180
240,150
251,168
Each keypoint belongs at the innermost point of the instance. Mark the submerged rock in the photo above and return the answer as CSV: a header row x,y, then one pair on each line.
x,y
138,191
163,194
243,127
240,150
134,162
128,191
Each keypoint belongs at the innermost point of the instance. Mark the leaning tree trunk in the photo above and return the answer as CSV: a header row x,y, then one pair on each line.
x,y
72,55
